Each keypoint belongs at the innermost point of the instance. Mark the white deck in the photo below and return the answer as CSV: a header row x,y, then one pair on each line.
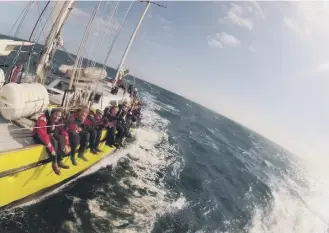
x,y
11,138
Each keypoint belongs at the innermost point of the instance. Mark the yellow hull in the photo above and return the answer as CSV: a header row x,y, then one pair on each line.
x,y
27,171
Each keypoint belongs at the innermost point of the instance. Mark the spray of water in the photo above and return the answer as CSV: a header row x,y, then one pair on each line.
x,y
139,171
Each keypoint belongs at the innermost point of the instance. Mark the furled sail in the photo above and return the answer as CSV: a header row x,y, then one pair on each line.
x,y
88,74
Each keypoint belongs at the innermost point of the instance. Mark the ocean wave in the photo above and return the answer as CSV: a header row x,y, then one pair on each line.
x,y
140,176
132,193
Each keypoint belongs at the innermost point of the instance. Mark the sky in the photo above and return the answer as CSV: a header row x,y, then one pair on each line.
x,y
262,64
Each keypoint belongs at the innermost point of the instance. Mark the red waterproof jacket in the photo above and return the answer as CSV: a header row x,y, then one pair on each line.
x,y
45,130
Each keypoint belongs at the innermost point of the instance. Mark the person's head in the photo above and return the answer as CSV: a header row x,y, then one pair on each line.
x,y
114,110
56,114
92,112
84,111
125,105
99,114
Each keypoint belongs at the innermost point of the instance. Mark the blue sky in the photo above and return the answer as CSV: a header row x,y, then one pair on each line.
x,y
263,64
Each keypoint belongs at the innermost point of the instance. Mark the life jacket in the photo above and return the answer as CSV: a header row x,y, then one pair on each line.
x,y
78,122
75,122
51,129
90,121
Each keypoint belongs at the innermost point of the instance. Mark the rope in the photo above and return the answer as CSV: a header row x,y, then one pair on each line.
x,y
28,5
84,42
40,19
32,48
109,19
93,61
117,34
22,21
25,11
39,127
92,46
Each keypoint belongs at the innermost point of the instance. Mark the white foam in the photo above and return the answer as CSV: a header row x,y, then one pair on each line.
x,y
300,201
95,209
146,161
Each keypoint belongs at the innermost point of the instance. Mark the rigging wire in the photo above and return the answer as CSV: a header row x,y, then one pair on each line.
x,y
45,24
23,19
83,43
37,41
91,62
23,14
116,37
109,22
108,29
40,19
26,8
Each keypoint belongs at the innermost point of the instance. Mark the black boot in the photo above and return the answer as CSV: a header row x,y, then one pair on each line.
x,y
74,162
93,151
62,165
111,145
98,150
54,165
82,156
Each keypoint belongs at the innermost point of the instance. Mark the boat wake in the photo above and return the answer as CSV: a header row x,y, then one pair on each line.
x,y
298,198
136,194
126,191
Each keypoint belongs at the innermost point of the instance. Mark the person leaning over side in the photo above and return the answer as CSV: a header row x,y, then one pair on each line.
x,y
111,126
78,134
93,126
50,131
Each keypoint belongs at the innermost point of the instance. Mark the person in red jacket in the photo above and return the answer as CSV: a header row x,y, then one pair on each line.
x,y
94,125
78,134
50,131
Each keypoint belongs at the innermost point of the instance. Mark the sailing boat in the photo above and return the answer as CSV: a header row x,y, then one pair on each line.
x,y
26,172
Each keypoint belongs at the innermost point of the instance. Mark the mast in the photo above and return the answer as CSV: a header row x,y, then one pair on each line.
x,y
131,41
41,71
31,49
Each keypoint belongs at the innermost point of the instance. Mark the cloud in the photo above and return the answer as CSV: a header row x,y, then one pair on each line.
x,y
163,19
252,49
323,67
99,25
235,15
289,22
222,38
76,12
178,70
310,18
228,39
214,42
166,27
243,15
257,10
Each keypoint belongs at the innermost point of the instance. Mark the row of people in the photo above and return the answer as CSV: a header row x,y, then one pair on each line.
x,y
83,127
